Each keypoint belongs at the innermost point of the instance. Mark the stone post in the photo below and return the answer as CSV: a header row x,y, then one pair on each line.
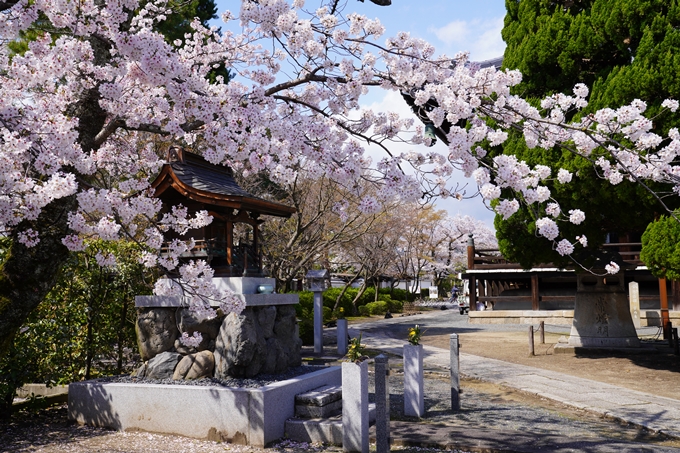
x,y
414,394
634,300
318,322
355,407
341,332
382,405
455,371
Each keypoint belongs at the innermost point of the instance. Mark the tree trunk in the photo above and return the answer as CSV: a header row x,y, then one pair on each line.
x,y
361,292
344,290
28,273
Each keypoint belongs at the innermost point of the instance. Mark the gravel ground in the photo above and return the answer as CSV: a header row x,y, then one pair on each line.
x,y
260,381
496,408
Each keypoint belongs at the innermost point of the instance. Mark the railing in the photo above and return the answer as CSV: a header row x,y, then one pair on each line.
x,y
243,257
493,259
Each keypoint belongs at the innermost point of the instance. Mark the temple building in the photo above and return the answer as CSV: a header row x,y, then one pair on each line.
x,y
231,243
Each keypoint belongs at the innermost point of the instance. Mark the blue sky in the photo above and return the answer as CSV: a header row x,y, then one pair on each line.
x,y
451,26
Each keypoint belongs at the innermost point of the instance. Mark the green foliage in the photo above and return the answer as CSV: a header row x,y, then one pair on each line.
x,y
85,326
367,296
376,308
367,307
623,50
356,350
399,294
396,306
331,295
661,247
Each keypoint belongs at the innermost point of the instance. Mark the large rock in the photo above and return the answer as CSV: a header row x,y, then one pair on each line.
x,y
195,366
286,333
240,346
209,328
259,340
156,331
163,365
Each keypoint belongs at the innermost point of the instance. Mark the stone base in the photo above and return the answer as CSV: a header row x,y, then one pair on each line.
x,y
602,316
565,348
239,415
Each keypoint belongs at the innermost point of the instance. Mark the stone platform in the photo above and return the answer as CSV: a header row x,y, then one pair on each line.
x,y
248,416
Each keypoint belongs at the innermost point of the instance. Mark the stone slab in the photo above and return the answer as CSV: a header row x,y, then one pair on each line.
x,y
312,411
246,416
320,396
327,430
251,300
41,390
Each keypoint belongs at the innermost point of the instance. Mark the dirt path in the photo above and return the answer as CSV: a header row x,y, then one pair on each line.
x,y
657,373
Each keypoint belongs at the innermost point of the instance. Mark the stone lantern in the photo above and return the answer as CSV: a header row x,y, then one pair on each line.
x,y
318,281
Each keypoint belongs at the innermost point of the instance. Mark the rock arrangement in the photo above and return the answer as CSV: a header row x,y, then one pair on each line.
x,y
262,339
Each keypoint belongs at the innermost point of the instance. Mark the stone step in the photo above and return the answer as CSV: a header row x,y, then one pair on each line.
x,y
327,430
321,402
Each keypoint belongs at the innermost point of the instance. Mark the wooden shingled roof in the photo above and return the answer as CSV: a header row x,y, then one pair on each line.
x,y
193,177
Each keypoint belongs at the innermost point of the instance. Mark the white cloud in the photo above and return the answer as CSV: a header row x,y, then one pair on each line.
x,y
455,32
392,101
482,38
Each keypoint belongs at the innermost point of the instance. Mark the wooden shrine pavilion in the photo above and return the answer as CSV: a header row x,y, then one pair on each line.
x,y
231,242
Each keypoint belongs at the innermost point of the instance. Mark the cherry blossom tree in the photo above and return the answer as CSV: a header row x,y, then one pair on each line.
x,y
77,110
449,254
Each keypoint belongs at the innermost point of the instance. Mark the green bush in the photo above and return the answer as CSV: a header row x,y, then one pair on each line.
x,y
398,294
327,314
396,306
331,295
306,303
377,308
306,331
364,311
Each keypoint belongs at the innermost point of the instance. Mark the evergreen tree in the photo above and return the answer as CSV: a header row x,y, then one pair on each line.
x,y
623,50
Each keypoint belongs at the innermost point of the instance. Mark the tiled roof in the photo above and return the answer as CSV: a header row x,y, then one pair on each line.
x,y
214,180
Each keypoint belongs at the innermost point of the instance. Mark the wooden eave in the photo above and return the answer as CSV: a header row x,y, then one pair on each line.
x,y
168,179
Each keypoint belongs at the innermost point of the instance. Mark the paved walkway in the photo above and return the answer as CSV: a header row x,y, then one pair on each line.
x,y
656,413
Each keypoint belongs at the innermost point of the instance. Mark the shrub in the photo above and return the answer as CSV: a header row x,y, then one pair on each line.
x,y
330,296
306,303
377,308
327,314
364,311
306,330
396,306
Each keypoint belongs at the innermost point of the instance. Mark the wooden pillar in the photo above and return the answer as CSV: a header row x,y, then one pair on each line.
x,y
473,293
665,318
675,291
470,252
534,293
230,242
256,248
